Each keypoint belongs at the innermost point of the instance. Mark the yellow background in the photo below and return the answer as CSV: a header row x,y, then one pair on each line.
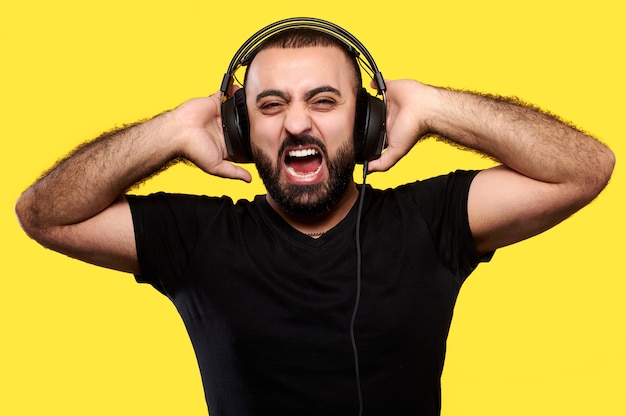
x,y
539,331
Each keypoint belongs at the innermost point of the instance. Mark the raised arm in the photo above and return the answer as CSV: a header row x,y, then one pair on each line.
x,y
78,208
549,169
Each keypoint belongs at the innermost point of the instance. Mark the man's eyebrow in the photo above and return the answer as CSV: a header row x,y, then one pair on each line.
x,y
325,88
309,94
272,93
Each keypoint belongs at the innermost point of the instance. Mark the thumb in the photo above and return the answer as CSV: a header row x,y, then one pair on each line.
x,y
386,160
231,171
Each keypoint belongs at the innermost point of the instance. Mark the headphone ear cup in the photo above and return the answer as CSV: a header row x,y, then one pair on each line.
x,y
236,126
369,127
360,120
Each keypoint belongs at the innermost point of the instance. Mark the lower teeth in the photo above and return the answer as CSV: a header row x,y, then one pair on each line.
x,y
293,172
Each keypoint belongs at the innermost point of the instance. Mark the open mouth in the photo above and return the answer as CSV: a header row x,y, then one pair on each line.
x,y
303,163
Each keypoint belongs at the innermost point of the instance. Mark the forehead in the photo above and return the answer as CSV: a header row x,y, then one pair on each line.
x,y
276,67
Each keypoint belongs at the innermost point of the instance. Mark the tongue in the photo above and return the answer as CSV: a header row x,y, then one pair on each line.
x,y
305,164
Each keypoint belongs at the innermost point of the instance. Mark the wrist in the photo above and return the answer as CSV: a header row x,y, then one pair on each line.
x,y
167,135
434,109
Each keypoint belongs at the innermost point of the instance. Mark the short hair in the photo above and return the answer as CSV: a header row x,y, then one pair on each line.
x,y
305,38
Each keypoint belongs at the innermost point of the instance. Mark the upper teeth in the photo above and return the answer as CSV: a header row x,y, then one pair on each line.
x,y
302,152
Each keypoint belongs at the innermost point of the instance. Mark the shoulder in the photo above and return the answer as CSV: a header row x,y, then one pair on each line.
x,y
161,201
160,210
434,190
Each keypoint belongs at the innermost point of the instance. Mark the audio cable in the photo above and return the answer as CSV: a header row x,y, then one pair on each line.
x,y
357,298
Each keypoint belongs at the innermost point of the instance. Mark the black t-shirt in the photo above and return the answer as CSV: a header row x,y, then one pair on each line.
x,y
268,308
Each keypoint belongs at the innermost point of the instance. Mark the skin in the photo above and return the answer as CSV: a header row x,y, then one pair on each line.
x,y
549,170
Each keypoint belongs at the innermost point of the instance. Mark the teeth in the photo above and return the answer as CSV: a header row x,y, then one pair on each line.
x,y
293,172
302,152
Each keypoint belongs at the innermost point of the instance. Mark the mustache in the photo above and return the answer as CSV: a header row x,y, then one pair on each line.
x,y
304,140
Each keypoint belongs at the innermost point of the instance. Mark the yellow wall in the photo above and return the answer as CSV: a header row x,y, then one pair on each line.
x,y
539,331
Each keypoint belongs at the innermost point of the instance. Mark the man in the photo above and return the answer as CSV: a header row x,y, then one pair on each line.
x,y
297,302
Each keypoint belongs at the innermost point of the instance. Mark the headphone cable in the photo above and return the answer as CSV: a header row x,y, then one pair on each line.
x,y
357,299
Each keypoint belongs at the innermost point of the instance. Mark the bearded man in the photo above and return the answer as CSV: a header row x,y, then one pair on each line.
x,y
323,296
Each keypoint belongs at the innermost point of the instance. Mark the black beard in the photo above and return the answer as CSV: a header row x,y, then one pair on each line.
x,y
307,200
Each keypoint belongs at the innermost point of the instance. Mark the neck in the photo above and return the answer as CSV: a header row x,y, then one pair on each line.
x,y
317,225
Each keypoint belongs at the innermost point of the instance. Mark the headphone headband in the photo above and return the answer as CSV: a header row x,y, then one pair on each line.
x,y
248,50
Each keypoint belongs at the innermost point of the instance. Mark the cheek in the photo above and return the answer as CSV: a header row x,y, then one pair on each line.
x,y
265,132
341,123
336,130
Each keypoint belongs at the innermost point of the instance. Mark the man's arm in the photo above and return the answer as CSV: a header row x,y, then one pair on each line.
x,y
549,170
78,208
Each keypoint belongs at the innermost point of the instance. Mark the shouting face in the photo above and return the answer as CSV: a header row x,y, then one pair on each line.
x,y
301,104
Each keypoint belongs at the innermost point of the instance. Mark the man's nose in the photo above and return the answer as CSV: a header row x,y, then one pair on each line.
x,y
297,120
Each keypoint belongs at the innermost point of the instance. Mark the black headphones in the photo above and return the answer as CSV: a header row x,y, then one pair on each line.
x,y
369,125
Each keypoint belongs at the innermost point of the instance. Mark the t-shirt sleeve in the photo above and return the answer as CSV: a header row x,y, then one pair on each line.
x,y
167,228
442,201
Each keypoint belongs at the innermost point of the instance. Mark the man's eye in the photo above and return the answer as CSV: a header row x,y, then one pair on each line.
x,y
324,103
271,106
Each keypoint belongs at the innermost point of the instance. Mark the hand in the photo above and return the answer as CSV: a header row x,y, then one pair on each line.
x,y
203,137
406,121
